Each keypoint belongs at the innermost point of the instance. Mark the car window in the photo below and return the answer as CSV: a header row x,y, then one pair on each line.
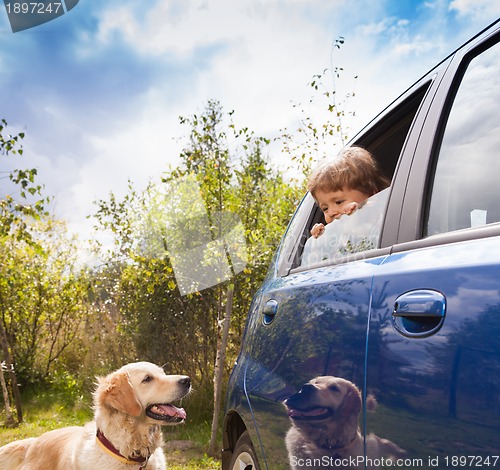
x,y
385,141
295,237
465,189
349,234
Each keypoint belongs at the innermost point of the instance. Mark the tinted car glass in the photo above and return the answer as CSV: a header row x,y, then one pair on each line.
x,y
465,192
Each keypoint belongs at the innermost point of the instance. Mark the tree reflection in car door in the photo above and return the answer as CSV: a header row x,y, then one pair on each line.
x,y
435,388
319,330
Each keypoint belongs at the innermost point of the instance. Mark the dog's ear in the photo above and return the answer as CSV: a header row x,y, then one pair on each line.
x,y
117,392
371,403
351,405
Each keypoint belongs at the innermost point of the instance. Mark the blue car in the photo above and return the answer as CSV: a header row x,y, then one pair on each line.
x,y
377,345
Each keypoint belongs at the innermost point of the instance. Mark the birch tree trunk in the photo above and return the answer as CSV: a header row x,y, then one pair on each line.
x,y
219,370
9,419
12,375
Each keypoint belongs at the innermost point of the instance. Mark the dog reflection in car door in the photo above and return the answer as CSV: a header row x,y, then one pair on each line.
x,y
324,415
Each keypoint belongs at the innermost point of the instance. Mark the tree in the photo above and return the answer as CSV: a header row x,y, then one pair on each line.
x,y
322,129
208,158
190,250
234,178
43,298
13,226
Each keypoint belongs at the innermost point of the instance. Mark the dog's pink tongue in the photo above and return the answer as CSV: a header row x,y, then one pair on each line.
x,y
171,410
311,412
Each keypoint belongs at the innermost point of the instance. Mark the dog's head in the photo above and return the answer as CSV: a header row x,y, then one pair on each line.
x,y
328,403
143,390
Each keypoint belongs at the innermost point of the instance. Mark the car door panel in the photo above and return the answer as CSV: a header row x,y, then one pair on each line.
x,y
438,395
318,329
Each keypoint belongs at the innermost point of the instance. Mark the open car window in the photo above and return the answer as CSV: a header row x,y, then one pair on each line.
x,y
350,234
385,141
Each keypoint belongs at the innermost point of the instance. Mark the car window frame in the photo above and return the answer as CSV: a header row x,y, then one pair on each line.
x,y
402,228
460,74
296,235
293,239
410,233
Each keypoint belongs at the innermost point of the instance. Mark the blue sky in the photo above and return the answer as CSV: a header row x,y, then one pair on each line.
x,y
99,90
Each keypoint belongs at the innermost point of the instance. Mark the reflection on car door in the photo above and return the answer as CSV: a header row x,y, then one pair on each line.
x,y
437,379
311,323
434,334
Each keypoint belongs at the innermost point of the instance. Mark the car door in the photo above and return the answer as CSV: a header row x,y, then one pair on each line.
x,y
433,364
309,320
308,324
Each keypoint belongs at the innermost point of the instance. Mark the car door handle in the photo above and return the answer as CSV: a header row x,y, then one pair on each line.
x,y
269,311
419,313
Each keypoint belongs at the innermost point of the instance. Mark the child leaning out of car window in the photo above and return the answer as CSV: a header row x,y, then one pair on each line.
x,y
341,185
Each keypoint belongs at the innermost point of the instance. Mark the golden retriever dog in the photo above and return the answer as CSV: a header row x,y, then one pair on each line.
x,y
130,405
325,431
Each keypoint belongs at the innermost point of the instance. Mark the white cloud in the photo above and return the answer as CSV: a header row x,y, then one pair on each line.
x,y
264,58
418,46
140,151
255,56
477,9
174,28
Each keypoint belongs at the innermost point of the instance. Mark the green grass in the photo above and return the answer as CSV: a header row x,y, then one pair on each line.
x,y
186,445
195,436
44,412
196,463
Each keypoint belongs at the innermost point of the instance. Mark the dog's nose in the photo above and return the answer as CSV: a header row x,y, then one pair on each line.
x,y
186,381
307,389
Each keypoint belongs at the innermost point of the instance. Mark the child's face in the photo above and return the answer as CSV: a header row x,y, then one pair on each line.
x,y
335,203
